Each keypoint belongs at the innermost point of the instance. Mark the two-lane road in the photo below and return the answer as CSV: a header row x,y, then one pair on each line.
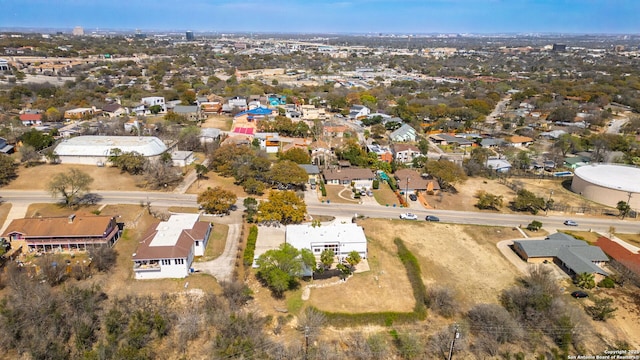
x,y
348,210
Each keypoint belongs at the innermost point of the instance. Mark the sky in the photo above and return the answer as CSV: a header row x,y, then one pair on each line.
x,y
330,16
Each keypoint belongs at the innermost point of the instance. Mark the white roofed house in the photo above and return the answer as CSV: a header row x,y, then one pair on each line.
x,y
403,134
358,111
168,248
342,238
92,150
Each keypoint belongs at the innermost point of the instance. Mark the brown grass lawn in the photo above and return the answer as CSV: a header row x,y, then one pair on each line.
x,y
226,183
104,178
334,190
588,236
462,257
633,239
217,242
4,211
385,196
465,199
53,210
387,280
183,210
222,122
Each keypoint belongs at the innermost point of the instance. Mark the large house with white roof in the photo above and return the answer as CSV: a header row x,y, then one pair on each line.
x,y
92,150
168,248
342,238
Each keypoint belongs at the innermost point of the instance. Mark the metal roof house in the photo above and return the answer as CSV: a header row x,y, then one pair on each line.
x,y
92,150
572,255
404,133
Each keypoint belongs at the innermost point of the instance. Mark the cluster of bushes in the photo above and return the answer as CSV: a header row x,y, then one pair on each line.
x,y
250,249
323,190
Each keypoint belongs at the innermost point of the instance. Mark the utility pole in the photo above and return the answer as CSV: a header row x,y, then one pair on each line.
x,y
306,342
456,335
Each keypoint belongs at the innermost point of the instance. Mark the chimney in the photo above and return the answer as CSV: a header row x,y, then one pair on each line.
x,y
71,218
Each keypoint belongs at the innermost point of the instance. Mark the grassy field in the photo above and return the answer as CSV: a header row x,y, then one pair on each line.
x,y
588,236
217,241
633,239
385,196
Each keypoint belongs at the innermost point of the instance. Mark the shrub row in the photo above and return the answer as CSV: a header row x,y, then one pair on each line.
x,y
250,250
323,190
388,318
414,274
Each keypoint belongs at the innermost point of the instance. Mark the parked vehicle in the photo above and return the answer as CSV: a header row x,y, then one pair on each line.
x,y
570,223
432,218
413,197
408,216
579,294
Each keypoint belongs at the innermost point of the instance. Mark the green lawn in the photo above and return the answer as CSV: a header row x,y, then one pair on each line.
x,y
385,196
217,242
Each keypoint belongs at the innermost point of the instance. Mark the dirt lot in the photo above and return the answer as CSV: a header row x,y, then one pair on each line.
x,y
221,122
465,198
104,178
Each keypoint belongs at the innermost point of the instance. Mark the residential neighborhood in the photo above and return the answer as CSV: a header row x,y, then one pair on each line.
x,y
193,195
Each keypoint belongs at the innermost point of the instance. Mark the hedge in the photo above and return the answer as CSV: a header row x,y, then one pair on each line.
x,y
388,318
250,250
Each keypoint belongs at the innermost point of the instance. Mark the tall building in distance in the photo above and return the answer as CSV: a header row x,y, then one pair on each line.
x,y
78,31
190,36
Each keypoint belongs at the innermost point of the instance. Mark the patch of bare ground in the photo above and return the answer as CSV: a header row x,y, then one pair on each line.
x,y
4,211
465,199
222,122
212,180
384,288
104,178
465,259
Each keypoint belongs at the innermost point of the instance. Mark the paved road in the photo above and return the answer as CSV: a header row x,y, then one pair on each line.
x,y
346,210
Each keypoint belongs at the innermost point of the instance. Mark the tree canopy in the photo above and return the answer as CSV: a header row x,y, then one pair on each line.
x,y
217,200
70,185
282,206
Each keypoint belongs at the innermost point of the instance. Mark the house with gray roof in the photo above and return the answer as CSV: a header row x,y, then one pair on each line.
x,y
312,172
360,177
572,255
403,134
191,112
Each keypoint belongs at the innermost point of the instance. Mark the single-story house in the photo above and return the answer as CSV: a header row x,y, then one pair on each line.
x,y
574,162
113,110
491,143
572,255
411,181
191,112
182,158
29,119
5,148
403,133
520,141
168,248
362,178
626,257
342,238
209,135
64,233
79,113
405,153
448,139
499,165
312,172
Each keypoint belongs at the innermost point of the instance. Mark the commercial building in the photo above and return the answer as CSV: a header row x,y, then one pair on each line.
x,y
608,184
95,150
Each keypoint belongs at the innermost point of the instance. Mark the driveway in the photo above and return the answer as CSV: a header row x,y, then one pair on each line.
x,y
222,267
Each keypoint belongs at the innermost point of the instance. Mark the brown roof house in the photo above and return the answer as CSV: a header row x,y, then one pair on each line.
x,y
168,248
412,181
64,233
362,178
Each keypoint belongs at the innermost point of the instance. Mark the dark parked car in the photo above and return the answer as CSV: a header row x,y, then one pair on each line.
x,y
579,294
413,197
432,218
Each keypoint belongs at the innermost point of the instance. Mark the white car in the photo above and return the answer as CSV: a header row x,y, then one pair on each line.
x,y
408,216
